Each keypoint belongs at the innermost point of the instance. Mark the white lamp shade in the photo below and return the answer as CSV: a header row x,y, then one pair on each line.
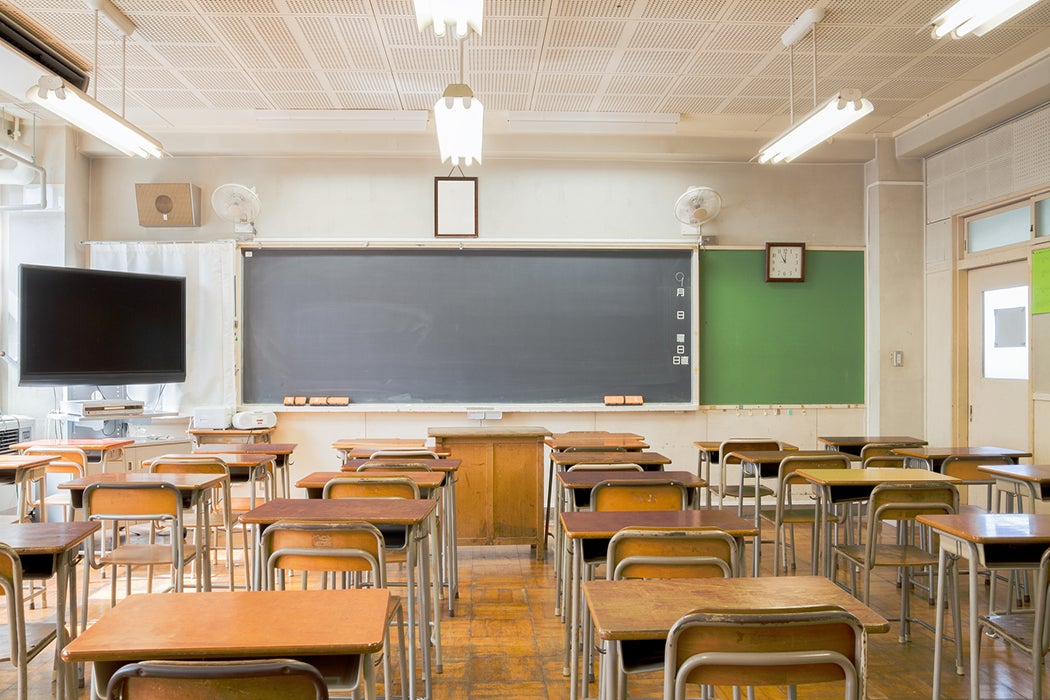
x,y
976,16
88,115
819,125
464,15
459,122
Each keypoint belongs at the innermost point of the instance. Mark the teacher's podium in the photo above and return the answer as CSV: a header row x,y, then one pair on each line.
x,y
499,489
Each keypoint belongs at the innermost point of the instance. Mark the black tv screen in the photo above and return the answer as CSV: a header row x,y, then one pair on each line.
x,y
100,327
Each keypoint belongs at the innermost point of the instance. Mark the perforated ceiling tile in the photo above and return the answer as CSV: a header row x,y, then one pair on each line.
x,y
430,83
879,66
575,60
204,80
405,59
418,101
183,29
69,27
756,105
666,35
745,37
484,84
286,81
228,99
860,11
507,102
585,34
705,86
990,44
330,7
197,56
946,67
345,81
237,7
920,12
781,11
639,85
134,7
629,103
326,45
834,40
301,100
145,79
567,84
110,56
515,8
685,9
505,61
766,87
239,36
170,99
367,100
907,89
596,8
653,62
509,33
724,63
275,34
403,31
1035,15
685,104
886,107
358,37
899,40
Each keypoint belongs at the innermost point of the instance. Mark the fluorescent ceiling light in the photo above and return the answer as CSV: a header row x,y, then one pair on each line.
x,y
593,122
463,14
846,107
87,115
351,120
458,117
976,16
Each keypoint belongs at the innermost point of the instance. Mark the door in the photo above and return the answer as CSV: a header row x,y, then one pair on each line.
x,y
998,351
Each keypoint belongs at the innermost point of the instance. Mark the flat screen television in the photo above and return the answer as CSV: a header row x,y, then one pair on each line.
x,y
100,327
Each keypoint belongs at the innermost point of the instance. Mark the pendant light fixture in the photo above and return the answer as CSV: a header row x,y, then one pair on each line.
x,y
459,119
464,15
976,17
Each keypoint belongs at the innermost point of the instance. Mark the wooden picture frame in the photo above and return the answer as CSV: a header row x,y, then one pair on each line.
x,y
456,207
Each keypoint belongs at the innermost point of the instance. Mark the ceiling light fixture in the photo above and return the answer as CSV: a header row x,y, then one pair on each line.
x,y
465,15
459,117
86,114
976,16
819,125
826,120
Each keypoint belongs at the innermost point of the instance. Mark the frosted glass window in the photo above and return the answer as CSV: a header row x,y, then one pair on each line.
x,y
1004,228
1006,333
1042,217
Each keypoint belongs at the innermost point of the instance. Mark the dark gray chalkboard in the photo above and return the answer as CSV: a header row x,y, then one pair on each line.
x,y
466,326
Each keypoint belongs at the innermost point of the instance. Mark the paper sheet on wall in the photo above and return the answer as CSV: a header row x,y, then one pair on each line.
x,y
1041,281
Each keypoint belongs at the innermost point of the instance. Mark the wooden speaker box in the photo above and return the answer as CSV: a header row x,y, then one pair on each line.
x,y
168,204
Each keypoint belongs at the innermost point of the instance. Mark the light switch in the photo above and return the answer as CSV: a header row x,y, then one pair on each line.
x,y
897,358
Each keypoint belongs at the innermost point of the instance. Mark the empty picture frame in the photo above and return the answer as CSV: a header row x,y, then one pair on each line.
x,y
456,206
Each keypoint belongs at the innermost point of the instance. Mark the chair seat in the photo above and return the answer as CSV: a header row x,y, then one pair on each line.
x,y
1017,628
38,636
791,516
144,555
890,555
735,491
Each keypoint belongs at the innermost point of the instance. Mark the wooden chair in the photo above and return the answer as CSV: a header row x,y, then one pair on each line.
x,y
881,456
965,469
221,506
657,553
345,555
786,514
901,503
25,641
71,464
764,648
277,679
612,495
395,466
1028,630
117,504
724,488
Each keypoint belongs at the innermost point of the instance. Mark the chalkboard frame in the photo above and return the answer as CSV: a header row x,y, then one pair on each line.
x,y
687,252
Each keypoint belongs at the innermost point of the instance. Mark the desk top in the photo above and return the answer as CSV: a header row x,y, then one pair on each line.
x,y
486,432
590,525
378,511
1036,473
46,538
862,440
365,453
569,459
559,444
231,432
939,453
16,462
589,478
648,609
993,528
183,482
239,624
713,446
776,456
380,443
282,449
871,477
86,444
232,459
570,434
437,465
424,480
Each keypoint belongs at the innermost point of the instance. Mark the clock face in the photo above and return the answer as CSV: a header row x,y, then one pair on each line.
x,y
785,262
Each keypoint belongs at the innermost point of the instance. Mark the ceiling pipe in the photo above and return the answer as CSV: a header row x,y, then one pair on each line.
x,y
23,166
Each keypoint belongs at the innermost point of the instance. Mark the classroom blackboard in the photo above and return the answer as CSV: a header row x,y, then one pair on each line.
x,y
781,343
474,327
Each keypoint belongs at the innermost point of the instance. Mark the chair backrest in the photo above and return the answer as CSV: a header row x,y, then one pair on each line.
x,y
880,455
755,444
613,495
595,448
606,468
282,679
396,466
786,475
189,464
131,501
418,453
11,589
965,468
371,487
763,647
647,553
71,460
906,501
316,546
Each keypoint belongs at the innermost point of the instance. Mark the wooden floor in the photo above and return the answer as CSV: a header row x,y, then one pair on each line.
x,y
506,642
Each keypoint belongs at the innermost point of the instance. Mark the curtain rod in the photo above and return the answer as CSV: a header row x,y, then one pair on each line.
x,y
224,240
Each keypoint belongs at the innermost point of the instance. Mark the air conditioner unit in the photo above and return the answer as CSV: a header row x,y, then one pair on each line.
x,y
13,430
23,36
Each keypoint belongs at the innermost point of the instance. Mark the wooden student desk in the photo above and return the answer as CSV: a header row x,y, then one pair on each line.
x,y
364,447
333,629
281,451
23,471
46,550
853,444
646,610
994,541
1032,480
235,435
428,482
931,457
834,486
708,452
589,525
100,451
415,515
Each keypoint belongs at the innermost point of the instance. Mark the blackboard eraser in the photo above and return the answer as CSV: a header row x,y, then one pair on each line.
x,y
300,400
633,400
614,400
338,400
318,400
289,400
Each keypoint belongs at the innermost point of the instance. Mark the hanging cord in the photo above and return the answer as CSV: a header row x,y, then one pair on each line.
x,y
124,73
791,82
94,68
814,30
461,52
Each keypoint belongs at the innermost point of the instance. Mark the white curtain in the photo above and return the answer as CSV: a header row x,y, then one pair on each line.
x,y
209,272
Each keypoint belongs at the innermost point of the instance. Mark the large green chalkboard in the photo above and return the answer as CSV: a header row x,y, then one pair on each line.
x,y
781,343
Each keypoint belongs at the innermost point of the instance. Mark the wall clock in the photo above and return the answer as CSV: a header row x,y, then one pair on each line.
x,y
785,262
